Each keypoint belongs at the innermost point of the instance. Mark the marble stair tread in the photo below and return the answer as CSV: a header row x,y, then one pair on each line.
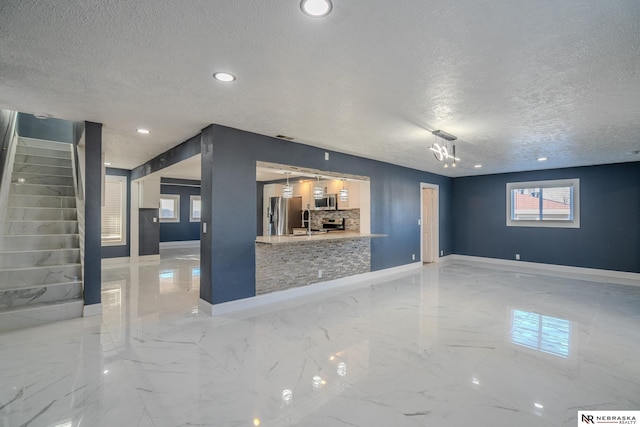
x,y
42,179
42,160
18,297
43,169
31,201
43,152
39,258
41,214
35,228
41,189
25,242
43,143
18,278
39,314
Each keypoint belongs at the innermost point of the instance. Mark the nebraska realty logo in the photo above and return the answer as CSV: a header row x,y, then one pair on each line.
x,y
588,418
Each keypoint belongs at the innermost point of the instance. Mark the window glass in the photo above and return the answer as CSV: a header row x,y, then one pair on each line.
x,y
170,208
113,217
544,203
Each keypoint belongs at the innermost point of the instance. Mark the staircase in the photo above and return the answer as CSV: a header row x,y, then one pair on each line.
x,y
40,267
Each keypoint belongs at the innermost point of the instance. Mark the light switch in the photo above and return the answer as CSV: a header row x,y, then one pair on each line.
x,y
204,228
155,219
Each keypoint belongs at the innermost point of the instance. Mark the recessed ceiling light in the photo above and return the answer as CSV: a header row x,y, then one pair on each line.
x,y
477,166
542,159
224,77
107,164
538,405
143,131
316,8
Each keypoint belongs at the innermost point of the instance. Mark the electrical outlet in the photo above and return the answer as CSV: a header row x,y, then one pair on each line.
x,y
517,257
319,274
413,257
441,253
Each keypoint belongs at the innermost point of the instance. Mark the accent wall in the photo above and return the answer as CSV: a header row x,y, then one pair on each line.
x,y
229,192
609,233
185,229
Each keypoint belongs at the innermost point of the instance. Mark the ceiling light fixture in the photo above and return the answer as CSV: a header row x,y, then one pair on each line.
x,y
447,151
143,131
224,77
316,8
107,164
477,166
287,190
318,192
343,194
42,116
542,159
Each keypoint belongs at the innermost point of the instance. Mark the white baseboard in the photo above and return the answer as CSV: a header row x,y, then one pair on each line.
x,y
92,310
108,262
287,294
178,245
607,276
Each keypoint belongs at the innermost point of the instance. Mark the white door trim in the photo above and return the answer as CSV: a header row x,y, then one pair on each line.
x,y
436,218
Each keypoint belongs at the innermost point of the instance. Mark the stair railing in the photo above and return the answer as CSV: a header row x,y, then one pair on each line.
x,y
9,142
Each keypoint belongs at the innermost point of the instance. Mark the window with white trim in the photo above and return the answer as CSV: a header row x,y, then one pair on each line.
x,y
169,208
114,212
554,203
195,204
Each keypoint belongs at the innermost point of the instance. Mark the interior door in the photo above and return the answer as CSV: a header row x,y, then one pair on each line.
x,y
427,226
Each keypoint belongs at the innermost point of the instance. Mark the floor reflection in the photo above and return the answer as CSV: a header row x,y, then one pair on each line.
x,y
539,332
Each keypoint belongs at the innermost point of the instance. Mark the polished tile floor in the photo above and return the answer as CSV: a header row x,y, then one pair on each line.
x,y
448,345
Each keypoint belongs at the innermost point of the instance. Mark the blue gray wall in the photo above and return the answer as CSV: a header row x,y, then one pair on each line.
x,y
93,212
229,192
185,229
121,250
609,233
50,129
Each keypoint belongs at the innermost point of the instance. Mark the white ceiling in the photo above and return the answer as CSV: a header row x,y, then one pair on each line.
x,y
513,80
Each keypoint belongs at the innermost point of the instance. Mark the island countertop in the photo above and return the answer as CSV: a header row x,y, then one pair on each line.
x,y
333,235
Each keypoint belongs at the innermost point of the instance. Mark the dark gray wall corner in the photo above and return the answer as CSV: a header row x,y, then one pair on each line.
x,y
609,233
93,210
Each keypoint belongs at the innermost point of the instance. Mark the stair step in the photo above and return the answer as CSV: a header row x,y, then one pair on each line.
x,y
22,201
40,242
39,258
40,227
13,298
42,160
41,214
42,169
38,178
19,278
39,314
43,152
41,190
42,143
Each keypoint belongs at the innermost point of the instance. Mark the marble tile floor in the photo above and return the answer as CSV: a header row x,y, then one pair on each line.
x,y
446,345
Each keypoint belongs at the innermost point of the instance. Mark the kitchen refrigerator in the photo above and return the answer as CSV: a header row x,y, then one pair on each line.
x,y
284,215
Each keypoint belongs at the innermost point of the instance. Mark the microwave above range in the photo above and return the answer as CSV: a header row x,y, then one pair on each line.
x,y
327,203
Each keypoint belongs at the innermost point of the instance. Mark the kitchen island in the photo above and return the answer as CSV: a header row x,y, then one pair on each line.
x,y
284,262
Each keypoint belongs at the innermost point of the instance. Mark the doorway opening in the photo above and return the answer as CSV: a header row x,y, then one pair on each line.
x,y
429,223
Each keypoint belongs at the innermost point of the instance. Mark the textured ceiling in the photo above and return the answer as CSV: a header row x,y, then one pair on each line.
x,y
513,80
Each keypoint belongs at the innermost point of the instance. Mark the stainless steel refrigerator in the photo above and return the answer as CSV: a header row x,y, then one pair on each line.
x,y
284,215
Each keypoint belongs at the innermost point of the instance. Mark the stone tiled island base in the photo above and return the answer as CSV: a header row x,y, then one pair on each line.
x,y
285,266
